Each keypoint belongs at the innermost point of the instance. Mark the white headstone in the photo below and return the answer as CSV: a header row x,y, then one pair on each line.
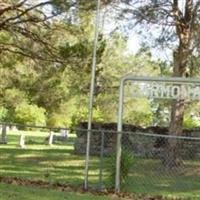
x,y
64,133
22,141
51,138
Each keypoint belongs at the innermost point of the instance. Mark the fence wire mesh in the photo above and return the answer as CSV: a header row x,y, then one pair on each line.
x,y
152,164
161,166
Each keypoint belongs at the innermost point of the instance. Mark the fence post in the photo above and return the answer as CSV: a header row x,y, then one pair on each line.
x,y
101,161
119,136
118,162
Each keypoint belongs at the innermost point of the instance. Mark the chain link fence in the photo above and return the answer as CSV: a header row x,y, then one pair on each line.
x,y
152,162
161,165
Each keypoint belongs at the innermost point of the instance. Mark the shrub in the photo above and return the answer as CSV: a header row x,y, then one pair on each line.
x,y
30,114
138,112
127,161
82,116
58,120
188,122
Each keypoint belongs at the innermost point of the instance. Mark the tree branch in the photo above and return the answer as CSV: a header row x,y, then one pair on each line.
x,y
5,7
23,12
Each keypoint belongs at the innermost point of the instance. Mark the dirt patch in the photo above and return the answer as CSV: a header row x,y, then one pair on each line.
x,y
70,188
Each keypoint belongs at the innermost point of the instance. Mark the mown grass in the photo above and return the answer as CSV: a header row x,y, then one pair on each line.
x,y
150,177
58,163
14,192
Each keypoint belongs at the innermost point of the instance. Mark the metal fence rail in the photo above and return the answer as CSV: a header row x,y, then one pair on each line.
x,y
143,167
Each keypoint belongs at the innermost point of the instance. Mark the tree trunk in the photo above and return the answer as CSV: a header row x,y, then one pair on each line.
x,y
181,56
173,157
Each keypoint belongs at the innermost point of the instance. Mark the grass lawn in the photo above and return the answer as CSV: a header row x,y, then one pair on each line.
x,y
14,192
149,177
55,163
58,163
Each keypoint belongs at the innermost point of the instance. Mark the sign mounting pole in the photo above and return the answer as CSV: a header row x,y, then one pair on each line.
x,y
92,87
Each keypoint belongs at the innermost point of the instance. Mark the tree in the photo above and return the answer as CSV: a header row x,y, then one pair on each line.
x,y
46,81
26,29
116,62
178,25
28,114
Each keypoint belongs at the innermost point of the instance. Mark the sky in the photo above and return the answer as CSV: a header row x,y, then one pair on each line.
x,y
134,40
133,43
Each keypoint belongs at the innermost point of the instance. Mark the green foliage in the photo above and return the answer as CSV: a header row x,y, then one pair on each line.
x,y
190,123
3,113
30,114
60,6
192,115
13,97
108,104
81,6
115,64
62,88
138,112
194,63
161,112
79,50
72,112
58,120
127,161
82,116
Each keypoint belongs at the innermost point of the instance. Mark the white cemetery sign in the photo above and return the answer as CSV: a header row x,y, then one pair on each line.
x,y
176,88
166,90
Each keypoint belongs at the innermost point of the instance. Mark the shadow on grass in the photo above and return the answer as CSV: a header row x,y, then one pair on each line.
x,y
59,164
55,165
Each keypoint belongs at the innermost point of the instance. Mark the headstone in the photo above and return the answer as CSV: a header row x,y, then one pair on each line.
x,y
64,134
13,128
22,141
3,139
51,138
